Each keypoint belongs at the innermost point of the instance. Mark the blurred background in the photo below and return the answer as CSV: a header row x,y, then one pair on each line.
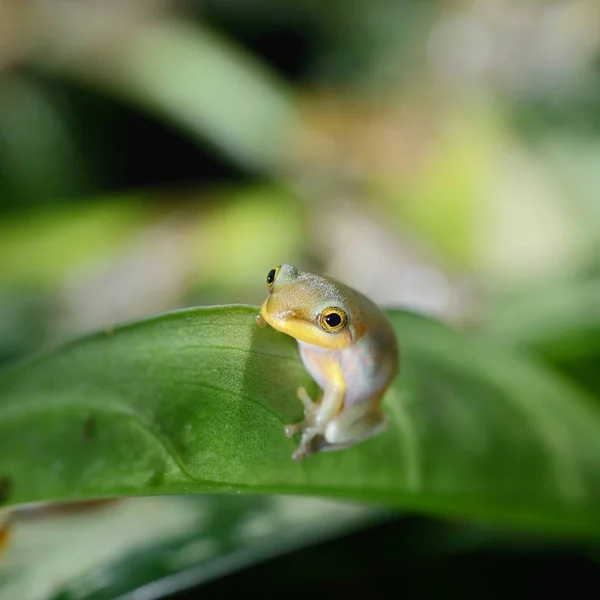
x,y
442,156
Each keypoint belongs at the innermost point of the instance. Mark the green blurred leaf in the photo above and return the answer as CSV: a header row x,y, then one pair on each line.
x,y
39,157
198,80
196,400
559,319
226,238
40,247
443,202
160,545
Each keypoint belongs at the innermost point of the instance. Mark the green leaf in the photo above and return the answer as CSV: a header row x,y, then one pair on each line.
x,y
196,400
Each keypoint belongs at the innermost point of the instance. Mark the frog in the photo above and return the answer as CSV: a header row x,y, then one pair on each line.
x,y
348,347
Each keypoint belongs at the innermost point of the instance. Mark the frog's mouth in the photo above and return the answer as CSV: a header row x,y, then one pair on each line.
x,y
278,319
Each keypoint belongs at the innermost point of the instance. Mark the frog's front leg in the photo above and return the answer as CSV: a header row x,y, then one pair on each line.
x,y
310,410
316,418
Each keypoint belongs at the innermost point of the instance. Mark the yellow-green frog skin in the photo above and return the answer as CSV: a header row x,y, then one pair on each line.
x,y
348,347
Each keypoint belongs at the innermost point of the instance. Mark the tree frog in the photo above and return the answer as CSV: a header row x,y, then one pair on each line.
x,y
347,346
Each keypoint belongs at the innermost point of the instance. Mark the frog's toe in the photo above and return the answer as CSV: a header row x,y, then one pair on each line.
x,y
310,408
293,429
300,454
303,451
306,400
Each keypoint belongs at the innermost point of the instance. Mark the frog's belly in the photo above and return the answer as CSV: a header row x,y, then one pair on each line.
x,y
362,377
320,364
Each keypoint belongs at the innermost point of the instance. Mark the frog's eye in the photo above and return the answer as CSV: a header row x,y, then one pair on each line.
x,y
272,274
333,319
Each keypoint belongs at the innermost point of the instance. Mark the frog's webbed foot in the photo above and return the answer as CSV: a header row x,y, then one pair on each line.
x,y
307,426
306,447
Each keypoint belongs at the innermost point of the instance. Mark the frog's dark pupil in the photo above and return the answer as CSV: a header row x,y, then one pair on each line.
x,y
271,276
333,320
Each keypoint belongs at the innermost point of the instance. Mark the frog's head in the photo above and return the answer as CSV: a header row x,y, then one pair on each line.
x,y
311,308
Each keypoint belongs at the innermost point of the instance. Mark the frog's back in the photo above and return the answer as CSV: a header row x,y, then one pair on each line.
x,y
370,364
